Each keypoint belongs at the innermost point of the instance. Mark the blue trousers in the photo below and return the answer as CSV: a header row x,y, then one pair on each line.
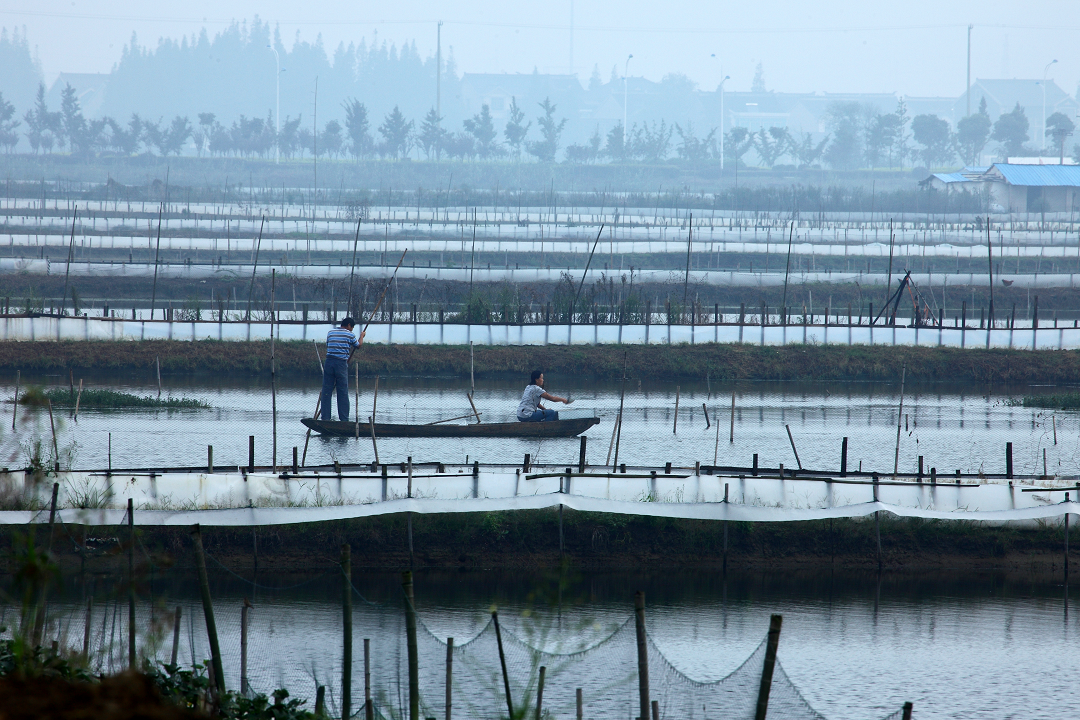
x,y
335,375
542,415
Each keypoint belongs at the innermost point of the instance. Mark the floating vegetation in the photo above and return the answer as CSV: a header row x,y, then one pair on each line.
x,y
106,400
1065,401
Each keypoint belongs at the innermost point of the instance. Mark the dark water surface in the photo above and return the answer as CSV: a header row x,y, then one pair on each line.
x,y
958,645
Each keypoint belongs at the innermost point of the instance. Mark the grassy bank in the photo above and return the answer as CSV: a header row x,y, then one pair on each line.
x,y
719,362
105,399
530,539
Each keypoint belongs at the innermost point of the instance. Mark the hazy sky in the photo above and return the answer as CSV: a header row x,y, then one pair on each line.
x,y
915,47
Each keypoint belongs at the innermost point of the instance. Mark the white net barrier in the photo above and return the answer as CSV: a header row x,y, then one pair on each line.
x,y
283,651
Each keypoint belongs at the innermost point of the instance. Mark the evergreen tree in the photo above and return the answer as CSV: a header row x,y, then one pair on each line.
x,y
515,131
482,127
8,123
551,131
357,128
972,134
1011,130
432,136
397,133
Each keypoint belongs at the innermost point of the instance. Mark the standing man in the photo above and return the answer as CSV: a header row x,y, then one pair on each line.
x,y
340,344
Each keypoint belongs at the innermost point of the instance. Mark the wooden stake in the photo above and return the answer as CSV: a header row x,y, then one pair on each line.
x,y
643,654
346,632
208,610
731,434
899,418
131,584
244,690
907,711
580,705
540,692
792,441
767,671
369,709
157,365
86,628
716,447
449,675
356,395
78,398
320,702
56,450
502,662
374,445
273,374
175,635
706,411
410,638
675,425
15,403
472,370
618,426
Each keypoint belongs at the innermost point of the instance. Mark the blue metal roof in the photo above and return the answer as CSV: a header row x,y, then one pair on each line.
x,y
1039,175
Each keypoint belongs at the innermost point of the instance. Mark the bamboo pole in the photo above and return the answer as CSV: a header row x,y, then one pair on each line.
x,y
15,403
70,254
157,365
731,433
540,692
899,420
175,635
369,709
473,405
770,664
254,267
86,627
346,632
356,393
318,403
502,662
56,449
78,398
642,654
716,447
208,610
244,686
792,441
39,611
273,371
157,254
675,424
410,637
449,676
132,662
618,427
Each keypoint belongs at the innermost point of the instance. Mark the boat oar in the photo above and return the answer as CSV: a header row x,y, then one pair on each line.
x,y
460,417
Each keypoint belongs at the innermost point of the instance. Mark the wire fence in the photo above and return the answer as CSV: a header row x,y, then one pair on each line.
x,y
590,661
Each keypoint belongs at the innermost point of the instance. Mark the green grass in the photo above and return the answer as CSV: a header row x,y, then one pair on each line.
x,y
1065,401
107,400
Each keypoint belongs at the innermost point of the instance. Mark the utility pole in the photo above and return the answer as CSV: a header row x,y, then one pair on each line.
x,y
571,37
438,72
967,88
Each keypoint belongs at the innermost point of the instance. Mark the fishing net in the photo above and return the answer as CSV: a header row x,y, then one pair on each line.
x,y
297,645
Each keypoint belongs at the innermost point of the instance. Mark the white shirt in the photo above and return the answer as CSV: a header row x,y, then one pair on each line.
x,y
529,400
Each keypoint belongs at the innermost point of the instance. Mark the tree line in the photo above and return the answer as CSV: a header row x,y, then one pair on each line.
x,y
857,137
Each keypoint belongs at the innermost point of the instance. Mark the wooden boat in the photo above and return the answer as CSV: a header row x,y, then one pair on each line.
x,y
550,429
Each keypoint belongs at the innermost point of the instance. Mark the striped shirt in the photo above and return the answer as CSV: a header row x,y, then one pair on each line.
x,y
339,343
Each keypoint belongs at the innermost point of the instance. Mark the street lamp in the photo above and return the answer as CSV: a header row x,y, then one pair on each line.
x,y
277,109
625,94
1045,71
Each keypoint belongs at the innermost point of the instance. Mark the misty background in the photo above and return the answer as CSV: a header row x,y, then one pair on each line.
x,y
838,86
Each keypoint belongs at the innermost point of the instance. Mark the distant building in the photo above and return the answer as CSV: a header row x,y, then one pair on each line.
x,y
968,179
1033,188
1002,96
89,89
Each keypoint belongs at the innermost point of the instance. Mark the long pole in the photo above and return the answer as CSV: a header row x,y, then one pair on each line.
x,y
15,402
787,269
392,276
131,583
990,265
899,420
888,282
254,267
208,610
642,653
346,637
449,676
967,87
67,270
583,274
273,367
686,277
157,254
410,639
502,662
352,268
770,664
618,428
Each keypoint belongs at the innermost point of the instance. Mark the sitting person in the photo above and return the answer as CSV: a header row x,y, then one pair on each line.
x,y
530,409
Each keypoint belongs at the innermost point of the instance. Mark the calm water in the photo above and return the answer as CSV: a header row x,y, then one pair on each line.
x,y
953,427
957,645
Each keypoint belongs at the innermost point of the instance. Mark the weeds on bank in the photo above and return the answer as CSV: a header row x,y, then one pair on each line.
x,y
105,399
